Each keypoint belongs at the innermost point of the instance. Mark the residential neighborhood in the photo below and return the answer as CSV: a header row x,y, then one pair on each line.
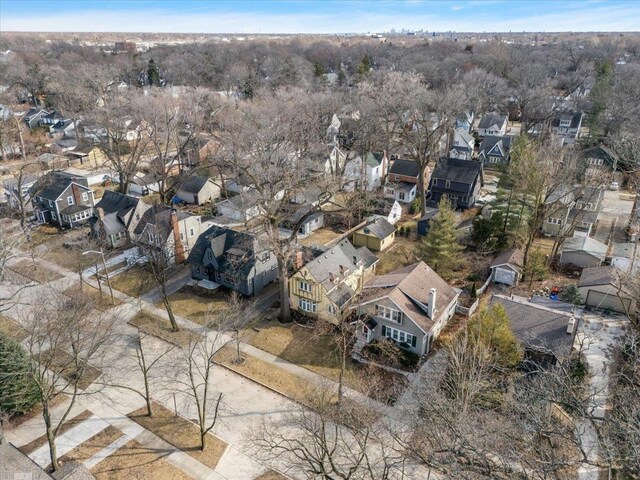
x,y
399,255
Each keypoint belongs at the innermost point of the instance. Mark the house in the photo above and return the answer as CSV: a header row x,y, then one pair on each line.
x,y
598,162
16,191
116,217
458,180
365,174
33,117
242,207
326,286
582,251
601,288
376,236
465,121
546,335
493,124
197,190
425,220
310,224
462,145
494,151
566,126
61,147
508,267
410,306
171,231
62,199
237,260
402,180
572,210
144,185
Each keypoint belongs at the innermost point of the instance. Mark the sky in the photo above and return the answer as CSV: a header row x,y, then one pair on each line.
x,y
318,16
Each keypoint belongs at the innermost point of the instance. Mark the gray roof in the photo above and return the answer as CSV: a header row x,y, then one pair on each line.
x,y
490,119
373,159
605,275
538,327
75,209
52,185
584,244
407,168
514,257
14,463
243,201
193,184
116,206
457,170
576,118
337,263
624,250
379,228
159,216
490,141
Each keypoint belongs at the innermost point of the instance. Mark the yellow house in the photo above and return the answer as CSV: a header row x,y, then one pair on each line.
x,y
376,236
324,287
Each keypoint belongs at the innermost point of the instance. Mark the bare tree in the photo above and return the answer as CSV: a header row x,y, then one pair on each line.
x,y
66,341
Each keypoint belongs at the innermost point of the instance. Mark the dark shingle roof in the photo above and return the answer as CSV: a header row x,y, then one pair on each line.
x,y
605,275
115,202
490,141
51,186
408,168
490,119
160,216
513,257
538,327
457,170
193,184
75,209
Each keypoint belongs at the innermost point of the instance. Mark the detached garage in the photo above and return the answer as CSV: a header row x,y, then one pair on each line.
x,y
507,267
600,288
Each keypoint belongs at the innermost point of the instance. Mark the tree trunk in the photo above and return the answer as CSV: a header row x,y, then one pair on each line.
x,y
124,184
147,395
422,191
203,440
51,439
172,318
283,280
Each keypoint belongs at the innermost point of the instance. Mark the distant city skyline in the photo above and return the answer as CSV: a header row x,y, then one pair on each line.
x,y
314,16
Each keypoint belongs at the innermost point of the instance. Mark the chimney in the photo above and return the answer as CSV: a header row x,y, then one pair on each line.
x,y
100,214
572,325
179,248
431,307
297,261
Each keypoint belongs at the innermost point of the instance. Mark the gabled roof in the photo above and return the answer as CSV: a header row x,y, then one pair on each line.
x,y
601,151
538,327
491,119
409,289
160,217
457,170
585,244
52,185
465,136
514,257
379,228
116,206
193,184
574,117
496,145
606,275
407,168
374,159
243,201
337,263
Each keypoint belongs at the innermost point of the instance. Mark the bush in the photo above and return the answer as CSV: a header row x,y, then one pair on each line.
x,y
18,391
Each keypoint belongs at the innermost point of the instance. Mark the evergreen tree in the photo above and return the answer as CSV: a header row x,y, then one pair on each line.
x,y
342,77
571,294
153,74
441,249
18,392
365,65
492,328
318,69
487,233
536,267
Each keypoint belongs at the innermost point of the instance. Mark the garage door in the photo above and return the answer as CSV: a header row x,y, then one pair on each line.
x,y
603,301
508,277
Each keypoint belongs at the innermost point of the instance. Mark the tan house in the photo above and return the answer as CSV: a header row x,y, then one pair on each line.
x,y
325,287
376,236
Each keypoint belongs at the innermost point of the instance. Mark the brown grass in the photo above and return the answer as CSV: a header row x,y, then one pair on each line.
x,y
66,426
322,236
134,461
271,475
36,411
398,255
12,329
134,282
196,304
161,328
280,380
63,364
92,295
152,199
35,272
69,258
43,234
92,446
181,433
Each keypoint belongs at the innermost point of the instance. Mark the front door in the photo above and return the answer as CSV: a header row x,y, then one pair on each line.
x,y
368,334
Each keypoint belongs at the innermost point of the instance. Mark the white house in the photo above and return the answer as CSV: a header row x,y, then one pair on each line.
x,y
493,124
365,174
242,207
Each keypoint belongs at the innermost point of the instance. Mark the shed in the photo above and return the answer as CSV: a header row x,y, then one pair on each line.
x,y
507,267
423,223
582,252
376,236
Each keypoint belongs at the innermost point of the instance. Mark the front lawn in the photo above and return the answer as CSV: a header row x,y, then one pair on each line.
x,y
34,272
161,328
196,304
181,433
134,282
92,295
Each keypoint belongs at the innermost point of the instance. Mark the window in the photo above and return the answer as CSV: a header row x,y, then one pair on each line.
x,y
332,310
307,305
192,232
389,313
554,221
304,286
448,184
401,196
181,236
435,182
69,200
50,203
53,215
399,336
85,197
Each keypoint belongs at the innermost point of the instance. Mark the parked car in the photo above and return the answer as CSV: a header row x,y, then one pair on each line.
x,y
614,186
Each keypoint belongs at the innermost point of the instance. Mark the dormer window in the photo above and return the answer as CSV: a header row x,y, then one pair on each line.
x,y
389,313
69,200
304,286
85,197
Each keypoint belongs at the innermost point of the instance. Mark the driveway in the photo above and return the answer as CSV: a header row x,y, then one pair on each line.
x,y
616,208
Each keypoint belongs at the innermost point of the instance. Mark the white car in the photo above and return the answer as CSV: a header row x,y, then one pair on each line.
x,y
614,186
